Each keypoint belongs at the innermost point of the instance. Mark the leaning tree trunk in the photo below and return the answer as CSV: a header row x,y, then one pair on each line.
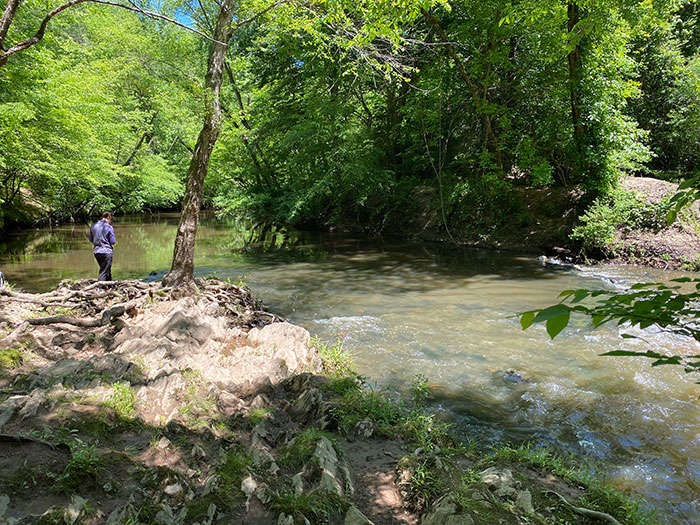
x,y
575,80
183,256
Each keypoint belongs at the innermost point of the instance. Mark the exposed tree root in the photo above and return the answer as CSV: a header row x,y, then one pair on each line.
x,y
11,438
589,513
106,317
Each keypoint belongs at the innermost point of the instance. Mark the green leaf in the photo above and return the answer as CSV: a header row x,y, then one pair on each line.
x,y
671,217
526,319
597,320
640,286
557,324
630,353
580,296
551,311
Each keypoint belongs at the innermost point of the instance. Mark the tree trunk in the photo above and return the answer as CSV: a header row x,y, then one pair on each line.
x,y
183,255
575,79
6,20
491,139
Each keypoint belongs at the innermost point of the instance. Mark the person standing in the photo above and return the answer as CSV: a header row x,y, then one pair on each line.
x,y
102,237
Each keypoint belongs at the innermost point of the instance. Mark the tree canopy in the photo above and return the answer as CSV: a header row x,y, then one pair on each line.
x,y
345,111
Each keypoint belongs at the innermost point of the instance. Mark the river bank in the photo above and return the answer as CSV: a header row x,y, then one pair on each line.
x,y
125,402
626,228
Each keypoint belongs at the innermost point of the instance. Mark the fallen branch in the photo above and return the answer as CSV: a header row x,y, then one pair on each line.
x,y
589,513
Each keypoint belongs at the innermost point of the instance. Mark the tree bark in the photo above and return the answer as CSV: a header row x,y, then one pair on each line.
x,y
182,269
6,20
575,79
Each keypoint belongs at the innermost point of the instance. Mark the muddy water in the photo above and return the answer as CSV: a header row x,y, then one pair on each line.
x,y
406,308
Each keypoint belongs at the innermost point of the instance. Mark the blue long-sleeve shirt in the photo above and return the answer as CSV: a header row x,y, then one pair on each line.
x,y
102,236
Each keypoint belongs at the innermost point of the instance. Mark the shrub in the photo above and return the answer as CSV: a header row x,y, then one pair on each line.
x,y
620,210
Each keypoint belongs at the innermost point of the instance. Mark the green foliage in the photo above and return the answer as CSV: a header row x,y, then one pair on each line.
x,y
390,415
336,361
598,495
231,471
199,406
298,451
122,400
644,305
11,357
318,506
618,211
257,415
99,133
335,113
84,467
420,390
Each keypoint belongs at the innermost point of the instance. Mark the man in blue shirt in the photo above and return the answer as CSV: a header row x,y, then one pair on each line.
x,y
102,236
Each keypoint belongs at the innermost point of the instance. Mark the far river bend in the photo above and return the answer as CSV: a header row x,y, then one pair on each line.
x,y
405,308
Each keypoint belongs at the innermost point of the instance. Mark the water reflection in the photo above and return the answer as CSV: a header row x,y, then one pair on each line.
x,y
406,308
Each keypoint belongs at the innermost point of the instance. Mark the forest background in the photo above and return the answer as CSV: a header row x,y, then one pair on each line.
x,y
464,109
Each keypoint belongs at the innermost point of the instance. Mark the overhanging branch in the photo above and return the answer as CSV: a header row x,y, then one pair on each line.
x,y
26,44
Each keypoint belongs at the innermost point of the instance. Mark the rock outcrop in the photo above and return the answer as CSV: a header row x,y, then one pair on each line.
x,y
183,408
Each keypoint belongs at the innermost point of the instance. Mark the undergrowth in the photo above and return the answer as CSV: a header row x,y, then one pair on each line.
x,y
319,505
11,357
619,211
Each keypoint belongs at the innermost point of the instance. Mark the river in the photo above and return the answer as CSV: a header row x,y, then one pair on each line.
x,y
405,308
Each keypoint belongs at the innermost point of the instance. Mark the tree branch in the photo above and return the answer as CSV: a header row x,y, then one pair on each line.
x,y
259,14
6,19
8,15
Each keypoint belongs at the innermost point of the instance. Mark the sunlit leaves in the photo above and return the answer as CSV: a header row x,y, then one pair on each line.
x,y
93,115
672,308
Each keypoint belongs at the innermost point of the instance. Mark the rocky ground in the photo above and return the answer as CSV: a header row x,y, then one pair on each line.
x,y
126,403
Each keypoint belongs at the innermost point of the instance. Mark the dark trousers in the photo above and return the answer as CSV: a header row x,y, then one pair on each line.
x,y
105,262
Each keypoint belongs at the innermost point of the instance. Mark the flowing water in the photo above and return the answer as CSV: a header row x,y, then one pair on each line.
x,y
406,308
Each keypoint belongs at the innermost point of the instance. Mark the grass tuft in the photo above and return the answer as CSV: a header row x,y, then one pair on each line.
x,y
318,506
84,468
11,357
122,400
298,451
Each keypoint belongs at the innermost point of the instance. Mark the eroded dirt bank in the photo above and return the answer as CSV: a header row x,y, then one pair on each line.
x,y
543,219
130,403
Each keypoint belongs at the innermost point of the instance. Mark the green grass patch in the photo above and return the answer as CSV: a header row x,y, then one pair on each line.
x,y
122,400
598,495
199,408
619,210
83,469
198,508
298,451
441,467
11,358
335,361
231,471
257,415
318,506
